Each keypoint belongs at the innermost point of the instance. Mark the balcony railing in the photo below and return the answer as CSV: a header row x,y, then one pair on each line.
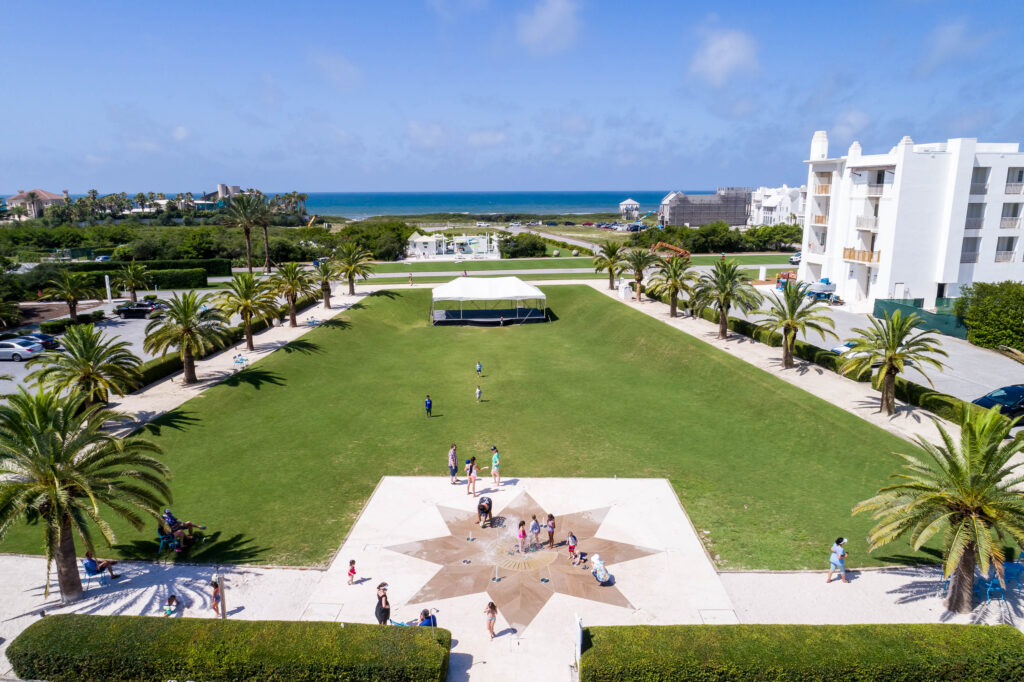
x,y
974,223
823,189
862,256
820,220
1015,188
867,222
979,188
1004,256
969,256
1009,223
875,190
818,249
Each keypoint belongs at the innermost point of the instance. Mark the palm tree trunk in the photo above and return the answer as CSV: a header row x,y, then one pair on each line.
x,y
132,296
248,248
672,306
611,279
723,323
961,583
639,288
67,564
888,392
291,312
788,336
351,285
325,288
266,250
189,364
73,310
247,323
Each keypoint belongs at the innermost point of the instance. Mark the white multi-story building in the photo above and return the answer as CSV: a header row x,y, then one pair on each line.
x,y
917,222
774,205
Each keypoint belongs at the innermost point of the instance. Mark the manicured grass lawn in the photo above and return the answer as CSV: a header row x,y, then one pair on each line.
x,y
279,459
427,279
475,265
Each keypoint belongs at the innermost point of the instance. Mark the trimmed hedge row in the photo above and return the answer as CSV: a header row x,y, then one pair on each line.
x,y
192,278
855,653
215,267
61,325
84,647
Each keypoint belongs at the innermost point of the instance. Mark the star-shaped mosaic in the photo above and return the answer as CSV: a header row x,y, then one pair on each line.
x,y
525,581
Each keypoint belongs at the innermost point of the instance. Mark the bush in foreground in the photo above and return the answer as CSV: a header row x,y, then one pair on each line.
x,y
894,653
82,647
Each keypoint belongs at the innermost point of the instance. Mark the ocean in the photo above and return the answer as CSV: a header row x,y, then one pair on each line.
x,y
365,204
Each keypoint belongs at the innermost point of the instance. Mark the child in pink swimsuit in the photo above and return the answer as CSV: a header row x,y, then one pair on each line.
x,y
522,537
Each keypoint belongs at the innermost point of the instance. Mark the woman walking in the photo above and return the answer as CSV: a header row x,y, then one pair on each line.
x,y
471,472
453,465
551,531
490,613
383,609
837,560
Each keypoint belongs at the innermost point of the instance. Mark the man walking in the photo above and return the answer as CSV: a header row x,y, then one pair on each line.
x,y
479,368
428,403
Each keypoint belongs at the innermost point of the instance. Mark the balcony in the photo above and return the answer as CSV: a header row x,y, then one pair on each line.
x,y
820,220
823,189
979,188
969,256
861,256
1009,223
867,222
874,190
974,223
1015,188
816,249
1002,257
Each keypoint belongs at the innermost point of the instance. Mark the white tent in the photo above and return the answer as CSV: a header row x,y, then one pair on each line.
x,y
487,299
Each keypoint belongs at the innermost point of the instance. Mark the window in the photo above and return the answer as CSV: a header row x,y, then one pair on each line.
x,y
1010,210
1015,175
969,250
879,177
975,210
1006,244
979,176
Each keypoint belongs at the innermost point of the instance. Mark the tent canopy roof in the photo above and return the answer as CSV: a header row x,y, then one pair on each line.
x,y
487,289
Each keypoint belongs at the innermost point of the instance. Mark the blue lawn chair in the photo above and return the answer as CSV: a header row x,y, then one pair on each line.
x,y
1012,571
166,540
943,580
993,587
101,576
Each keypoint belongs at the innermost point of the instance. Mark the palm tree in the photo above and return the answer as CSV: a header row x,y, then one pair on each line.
x,y
292,281
140,200
10,313
967,490
610,257
249,298
323,274
91,364
794,312
71,287
31,199
131,278
891,344
353,261
721,289
637,261
58,468
246,211
188,324
19,211
673,277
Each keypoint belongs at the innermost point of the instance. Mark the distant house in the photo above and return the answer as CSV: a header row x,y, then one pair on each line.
x,y
457,247
35,201
730,205
222,193
629,209
774,205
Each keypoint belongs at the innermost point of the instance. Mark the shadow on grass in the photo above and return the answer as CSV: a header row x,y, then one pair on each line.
x,y
303,346
254,377
927,556
236,549
385,293
335,323
552,316
176,419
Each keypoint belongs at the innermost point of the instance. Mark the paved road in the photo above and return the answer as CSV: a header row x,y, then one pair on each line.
x,y
582,243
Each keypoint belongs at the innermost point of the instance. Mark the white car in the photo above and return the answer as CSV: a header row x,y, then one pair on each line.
x,y
844,350
19,349
795,258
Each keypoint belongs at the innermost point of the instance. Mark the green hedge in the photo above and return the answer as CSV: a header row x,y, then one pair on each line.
x,y
61,325
84,647
215,267
193,278
941,404
159,368
851,653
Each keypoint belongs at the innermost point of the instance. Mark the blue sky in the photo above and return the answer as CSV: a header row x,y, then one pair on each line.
x,y
487,95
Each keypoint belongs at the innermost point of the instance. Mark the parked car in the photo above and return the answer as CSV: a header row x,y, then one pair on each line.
x,y
45,340
102,259
19,349
1010,400
140,310
568,222
795,258
550,223
588,224
844,350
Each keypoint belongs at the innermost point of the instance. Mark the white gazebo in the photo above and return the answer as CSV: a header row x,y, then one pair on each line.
x,y
629,209
487,300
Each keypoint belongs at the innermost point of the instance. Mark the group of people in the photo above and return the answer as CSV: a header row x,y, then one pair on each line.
x,y
426,619
535,542
183,532
472,469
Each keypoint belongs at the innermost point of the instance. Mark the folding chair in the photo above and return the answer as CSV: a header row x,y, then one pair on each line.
x,y
1012,573
89,575
993,586
166,540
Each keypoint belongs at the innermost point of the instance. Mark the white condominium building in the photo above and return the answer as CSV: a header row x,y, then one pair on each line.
x,y
917,222
774,205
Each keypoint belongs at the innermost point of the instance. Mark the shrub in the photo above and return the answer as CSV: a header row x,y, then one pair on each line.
x,y
156,369
59,326
941,404
150,297
894,653
73,646
214,267
992,313
193,278
524,245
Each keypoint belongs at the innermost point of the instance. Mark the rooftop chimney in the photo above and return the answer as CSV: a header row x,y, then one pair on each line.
x,y
819,145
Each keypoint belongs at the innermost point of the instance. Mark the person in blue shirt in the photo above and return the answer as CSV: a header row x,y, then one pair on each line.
x,y
837,560
479,368
428,403
92,566
427,619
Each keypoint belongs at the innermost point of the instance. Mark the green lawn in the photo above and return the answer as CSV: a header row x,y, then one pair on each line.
x,y
427,279
279,460
541,263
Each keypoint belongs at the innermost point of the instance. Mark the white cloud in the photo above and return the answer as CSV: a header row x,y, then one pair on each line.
x,y
550,27
722,54
482,139
427,136
180,133
849,123
342,73
949,42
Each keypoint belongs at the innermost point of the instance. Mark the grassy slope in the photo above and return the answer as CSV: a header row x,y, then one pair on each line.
x,y
281,465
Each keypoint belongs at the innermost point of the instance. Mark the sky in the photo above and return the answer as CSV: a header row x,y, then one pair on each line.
x,y
488,95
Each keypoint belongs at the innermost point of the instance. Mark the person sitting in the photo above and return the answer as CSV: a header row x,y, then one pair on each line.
x,y
93,567
181,540
175,524
427,619
483,512
600,572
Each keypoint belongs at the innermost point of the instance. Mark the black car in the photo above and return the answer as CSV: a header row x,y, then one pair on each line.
x,y
568,222
45,340
140,310
1010,400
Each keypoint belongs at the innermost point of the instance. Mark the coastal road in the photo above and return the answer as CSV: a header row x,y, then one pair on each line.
x,y
582,243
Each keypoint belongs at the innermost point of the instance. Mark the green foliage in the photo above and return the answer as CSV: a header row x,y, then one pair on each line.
x,y
385,239
993,313
159,368
60,325
80,647
523,245
804,653
90,363
214,267
718,237
193,278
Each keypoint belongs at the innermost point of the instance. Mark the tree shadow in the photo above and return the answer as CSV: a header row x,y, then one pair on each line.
x,y
384,293
336,323
933,556
254,377
214,550
303,346
176,419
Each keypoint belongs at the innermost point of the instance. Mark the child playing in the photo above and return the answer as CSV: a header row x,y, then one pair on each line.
x,y
534,532
571,541
490,612
551,531
351,571
170,606
522,537
215,598
478,393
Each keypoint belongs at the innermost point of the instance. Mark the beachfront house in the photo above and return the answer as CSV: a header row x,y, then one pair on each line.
x,y
730,205
441,247
774,205
629,210
35,201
